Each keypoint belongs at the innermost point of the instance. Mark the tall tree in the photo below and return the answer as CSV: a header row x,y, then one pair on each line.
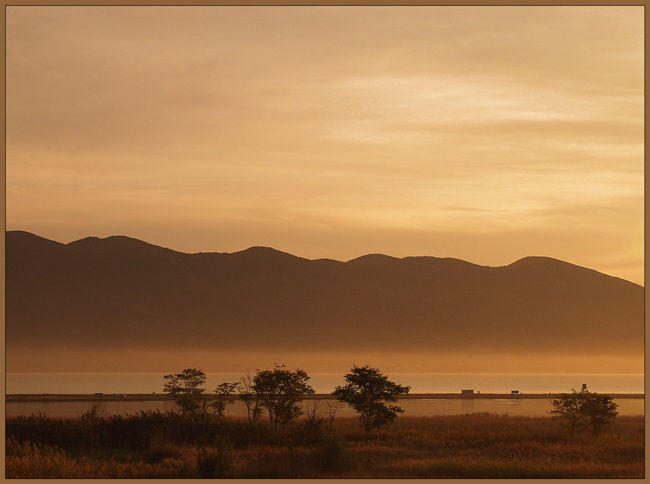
x,y
185,388
368,391
280,391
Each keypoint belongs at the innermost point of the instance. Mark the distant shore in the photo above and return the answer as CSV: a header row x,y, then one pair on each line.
x,y
80,397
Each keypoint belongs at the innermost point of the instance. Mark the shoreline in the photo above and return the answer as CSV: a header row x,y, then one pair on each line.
x,y
154,397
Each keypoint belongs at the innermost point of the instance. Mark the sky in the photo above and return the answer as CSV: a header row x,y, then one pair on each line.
x,y
482,133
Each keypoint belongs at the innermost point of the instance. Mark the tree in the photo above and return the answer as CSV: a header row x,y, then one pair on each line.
x,y
279,391
569,407
575,408
368,391
599,410
185,388
250,398
332,409
312,413
223,391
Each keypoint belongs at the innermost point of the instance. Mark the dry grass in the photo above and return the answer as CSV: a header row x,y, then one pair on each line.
x,y
469,446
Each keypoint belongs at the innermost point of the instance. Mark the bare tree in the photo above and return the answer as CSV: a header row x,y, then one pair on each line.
x,y
333,406
250,397
312,413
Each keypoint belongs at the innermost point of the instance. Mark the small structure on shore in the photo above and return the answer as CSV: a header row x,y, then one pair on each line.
x,y
467,393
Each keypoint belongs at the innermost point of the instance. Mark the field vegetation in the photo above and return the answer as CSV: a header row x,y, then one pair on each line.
x,y
203,445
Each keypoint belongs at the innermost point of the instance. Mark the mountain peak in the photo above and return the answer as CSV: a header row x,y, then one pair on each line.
x,y
259,252
114,243
373,259
535,259
538,262
21,240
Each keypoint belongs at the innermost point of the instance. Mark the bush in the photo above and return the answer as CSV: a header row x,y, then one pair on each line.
x,y
213,463
331,454
458,446
160,449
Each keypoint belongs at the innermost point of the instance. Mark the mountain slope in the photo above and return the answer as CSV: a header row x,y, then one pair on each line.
x,y
122,291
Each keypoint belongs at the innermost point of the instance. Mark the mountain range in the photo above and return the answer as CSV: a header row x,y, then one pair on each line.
x,y
121,291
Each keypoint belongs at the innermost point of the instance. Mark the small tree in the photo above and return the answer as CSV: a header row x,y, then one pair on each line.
x,y
223,391
312,413
185,388
279,391
576,408
332,408
368,391
250,398
599,410
569,408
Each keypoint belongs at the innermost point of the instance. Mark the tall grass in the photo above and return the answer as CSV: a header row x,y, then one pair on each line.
x,y
158,445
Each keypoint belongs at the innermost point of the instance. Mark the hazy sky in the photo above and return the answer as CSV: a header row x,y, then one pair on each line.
x,y
482,133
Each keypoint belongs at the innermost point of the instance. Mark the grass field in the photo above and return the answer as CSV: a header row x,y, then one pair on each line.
x,y
157,445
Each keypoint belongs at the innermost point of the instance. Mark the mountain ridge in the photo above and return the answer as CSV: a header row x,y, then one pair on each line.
x,y
124,240
122,291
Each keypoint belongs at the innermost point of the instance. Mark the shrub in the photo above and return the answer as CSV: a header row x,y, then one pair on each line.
x,y
213,463
160,449
331,454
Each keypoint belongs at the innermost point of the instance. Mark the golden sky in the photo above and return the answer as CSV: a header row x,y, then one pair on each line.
x,y
481,133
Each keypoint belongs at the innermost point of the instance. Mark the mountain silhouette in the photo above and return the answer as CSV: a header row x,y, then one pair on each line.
x,y
118,290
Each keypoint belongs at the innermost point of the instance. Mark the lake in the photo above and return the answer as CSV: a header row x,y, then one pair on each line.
x,y
326,382
35,383
412,407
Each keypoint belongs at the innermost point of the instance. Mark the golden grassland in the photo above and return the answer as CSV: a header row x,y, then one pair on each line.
x,y
156,445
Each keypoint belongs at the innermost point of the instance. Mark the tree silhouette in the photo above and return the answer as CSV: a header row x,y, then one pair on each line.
x,y
250,398
223,392
185,388
576,407
599,410
569,408
279,391
368,391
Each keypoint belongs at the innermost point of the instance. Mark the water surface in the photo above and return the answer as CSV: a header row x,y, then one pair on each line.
x,y
107,383
412,407
326,382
